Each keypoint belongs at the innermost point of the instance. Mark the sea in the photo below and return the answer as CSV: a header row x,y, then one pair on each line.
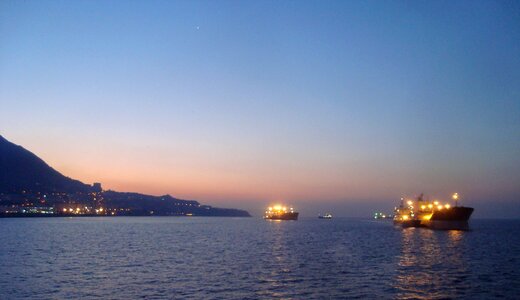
x,y
252,258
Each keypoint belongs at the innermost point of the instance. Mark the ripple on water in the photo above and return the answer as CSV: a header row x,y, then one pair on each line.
x,y
220,258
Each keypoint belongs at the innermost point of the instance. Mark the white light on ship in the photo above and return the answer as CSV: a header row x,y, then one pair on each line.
x,y
447,206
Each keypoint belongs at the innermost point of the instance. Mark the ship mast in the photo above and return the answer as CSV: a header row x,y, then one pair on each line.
x,y
456,198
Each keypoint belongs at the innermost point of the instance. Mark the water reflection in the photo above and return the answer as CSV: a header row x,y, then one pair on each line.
x,y
431,264
276,273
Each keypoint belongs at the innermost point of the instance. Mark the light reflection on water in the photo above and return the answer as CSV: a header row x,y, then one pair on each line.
x,y
430,265
234,258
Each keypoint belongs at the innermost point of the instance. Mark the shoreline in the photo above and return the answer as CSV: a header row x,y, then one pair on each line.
x,y
11,216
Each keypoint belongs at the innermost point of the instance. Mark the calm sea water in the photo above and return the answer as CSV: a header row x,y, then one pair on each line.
x,y
248,258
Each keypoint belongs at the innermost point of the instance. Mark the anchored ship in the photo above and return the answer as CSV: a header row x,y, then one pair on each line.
x,y
432,214
381,216
325,216
279,212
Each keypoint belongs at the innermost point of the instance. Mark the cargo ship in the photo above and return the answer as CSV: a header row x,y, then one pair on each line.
x,y
432,214
279,212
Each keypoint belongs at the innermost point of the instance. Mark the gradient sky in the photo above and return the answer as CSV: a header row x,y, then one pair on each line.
x,y
330,106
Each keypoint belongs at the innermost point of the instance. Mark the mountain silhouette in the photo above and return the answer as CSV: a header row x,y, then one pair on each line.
x,y
27,181
22,170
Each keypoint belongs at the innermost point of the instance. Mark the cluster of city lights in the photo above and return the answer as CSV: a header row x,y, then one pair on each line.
x,y
83,210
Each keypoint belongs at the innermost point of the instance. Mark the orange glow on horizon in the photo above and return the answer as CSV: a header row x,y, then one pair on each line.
x,y
229,177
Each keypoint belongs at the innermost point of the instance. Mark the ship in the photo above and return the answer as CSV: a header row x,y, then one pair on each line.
x,y
405,216
279,212
381,216
454,218
325,216
432,214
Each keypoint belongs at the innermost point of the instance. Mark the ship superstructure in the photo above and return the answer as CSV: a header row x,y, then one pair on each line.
x,y
280,212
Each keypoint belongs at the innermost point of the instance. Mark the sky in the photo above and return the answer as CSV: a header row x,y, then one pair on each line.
x,y
341,106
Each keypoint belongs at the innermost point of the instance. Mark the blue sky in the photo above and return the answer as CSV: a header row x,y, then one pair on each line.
x,y
346,104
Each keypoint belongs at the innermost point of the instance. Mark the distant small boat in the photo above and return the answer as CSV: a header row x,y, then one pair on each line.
x,y
380,215
325,216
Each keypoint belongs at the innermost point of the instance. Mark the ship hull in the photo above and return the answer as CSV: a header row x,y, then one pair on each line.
x,y
455,218
457,213
411,223
285,216
447,225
